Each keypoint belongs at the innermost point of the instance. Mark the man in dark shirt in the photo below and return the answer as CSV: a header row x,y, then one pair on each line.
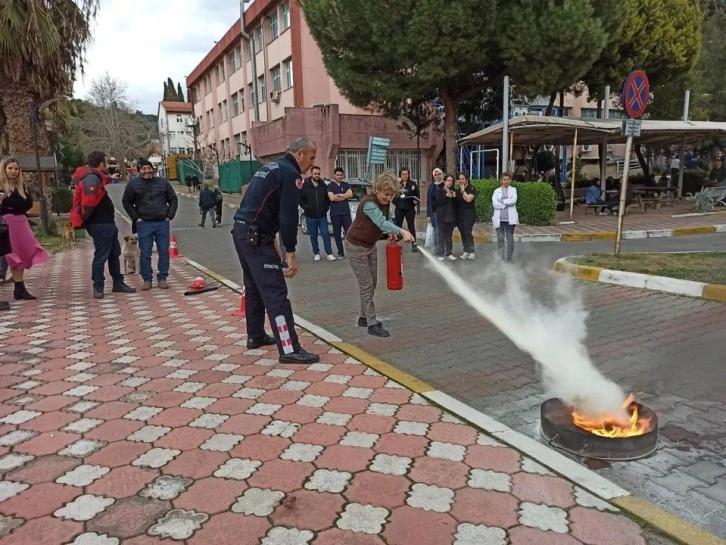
x,y
315,203
151,203
717,176
101,225
339,193
270,205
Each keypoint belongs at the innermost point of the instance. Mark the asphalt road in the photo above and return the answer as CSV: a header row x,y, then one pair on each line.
x,y
669,350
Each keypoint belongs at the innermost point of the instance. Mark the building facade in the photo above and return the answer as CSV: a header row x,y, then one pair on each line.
x,y
249,106
176,135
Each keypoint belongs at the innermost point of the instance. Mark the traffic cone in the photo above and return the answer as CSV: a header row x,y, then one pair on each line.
x,y
173,250
242,312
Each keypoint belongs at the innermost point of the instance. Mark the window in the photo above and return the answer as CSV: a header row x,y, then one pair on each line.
x,y
288,72
210,119
225,148
276,84
233,61
588,112
259,39
237,147
252,93
262,88
179,119
235,105
220,72
273,26
207,84
223,111
286,15
241,95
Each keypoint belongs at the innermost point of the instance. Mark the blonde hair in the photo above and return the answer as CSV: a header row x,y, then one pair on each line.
x,y
387,181
5,181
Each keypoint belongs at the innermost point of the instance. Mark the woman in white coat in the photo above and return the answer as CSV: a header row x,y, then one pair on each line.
x,y
504,201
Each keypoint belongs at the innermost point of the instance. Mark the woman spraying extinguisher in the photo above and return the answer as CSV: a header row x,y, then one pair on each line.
x,y
369,225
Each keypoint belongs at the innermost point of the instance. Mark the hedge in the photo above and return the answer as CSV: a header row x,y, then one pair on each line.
x,y
536,201
61,200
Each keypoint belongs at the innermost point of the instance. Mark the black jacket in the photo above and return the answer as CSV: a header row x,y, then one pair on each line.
x,y
15,204
314,200
150,200
445,206
207,199
409,196
270,202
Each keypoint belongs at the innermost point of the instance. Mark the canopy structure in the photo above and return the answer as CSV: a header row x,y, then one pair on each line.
x,y
528,130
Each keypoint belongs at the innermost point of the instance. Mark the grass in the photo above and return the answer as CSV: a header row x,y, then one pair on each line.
x,y
707,267
52,243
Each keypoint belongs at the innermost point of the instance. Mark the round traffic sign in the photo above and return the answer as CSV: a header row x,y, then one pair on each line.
x,y
636,92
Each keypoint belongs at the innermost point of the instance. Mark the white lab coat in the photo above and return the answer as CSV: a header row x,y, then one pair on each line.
x,y
510,202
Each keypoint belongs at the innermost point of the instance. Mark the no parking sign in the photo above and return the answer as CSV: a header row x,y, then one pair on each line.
x,y
636,92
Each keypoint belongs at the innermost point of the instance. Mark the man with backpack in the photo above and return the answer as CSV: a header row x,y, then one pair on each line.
x,y
94,210
218,200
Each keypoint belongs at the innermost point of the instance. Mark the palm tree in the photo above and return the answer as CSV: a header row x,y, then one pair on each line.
x,y
42,46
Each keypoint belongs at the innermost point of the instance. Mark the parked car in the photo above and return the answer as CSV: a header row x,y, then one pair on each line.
x,y
359,186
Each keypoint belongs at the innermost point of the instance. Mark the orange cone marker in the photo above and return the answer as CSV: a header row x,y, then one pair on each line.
x,y
173,250
242,312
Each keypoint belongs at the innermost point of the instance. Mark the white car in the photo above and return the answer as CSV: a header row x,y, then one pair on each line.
x,y
359,186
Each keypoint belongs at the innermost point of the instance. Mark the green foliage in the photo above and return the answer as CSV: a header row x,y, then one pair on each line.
x,y
536,201
712,66
61,199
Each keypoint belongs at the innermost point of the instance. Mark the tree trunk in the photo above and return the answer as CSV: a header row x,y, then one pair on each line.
x,y
16,136
642,161
451,106
535,153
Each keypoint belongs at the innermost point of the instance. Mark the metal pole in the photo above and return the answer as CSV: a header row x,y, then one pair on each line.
x,y
505,132
36,151
686,104
253,59
572,181
623,194
604,158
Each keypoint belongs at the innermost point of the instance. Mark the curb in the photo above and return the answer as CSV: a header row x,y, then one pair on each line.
x,y
641,509
689,288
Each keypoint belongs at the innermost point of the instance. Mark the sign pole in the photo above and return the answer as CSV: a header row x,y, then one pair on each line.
x,y
623,193
572,182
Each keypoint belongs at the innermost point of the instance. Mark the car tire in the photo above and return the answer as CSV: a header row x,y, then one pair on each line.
x,y
303,224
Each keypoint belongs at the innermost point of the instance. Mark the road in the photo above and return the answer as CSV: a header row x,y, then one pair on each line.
x,y
667,349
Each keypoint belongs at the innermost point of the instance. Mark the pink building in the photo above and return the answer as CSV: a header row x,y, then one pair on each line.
x,y
296,97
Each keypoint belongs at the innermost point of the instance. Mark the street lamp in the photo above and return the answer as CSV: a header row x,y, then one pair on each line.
x,y
35,110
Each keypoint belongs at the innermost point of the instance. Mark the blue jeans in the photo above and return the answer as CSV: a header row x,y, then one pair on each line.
x,y
107,249
150,232
315,225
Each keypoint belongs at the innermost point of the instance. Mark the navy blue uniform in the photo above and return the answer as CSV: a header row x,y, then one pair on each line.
x,y
269,206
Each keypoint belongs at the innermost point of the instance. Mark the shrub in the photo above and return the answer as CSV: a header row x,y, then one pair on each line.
x,y
536,201
61,200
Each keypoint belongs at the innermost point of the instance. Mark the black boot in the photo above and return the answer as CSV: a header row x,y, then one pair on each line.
x,y
4,305
21,294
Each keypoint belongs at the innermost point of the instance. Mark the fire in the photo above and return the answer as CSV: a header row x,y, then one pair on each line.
x,y
610,427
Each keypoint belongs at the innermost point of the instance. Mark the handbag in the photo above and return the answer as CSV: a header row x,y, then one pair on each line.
x,y
429,241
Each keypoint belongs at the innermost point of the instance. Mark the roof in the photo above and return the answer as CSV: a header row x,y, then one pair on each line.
x,y
28,164
176,107
533,130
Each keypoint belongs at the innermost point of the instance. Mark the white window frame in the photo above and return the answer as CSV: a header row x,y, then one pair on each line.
x,y
274,25
288,73
235,105
285,10
276,78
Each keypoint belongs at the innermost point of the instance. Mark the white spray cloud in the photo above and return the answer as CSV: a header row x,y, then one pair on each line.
x,y
553,335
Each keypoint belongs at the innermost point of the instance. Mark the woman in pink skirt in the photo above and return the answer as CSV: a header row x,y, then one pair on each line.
x,y
15,201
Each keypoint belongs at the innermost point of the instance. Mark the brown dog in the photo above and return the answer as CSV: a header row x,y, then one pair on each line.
x,y
130,254
69,236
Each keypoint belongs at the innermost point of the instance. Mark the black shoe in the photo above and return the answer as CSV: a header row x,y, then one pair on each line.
x,y
362,322
201,225
267,340
301,356
122,288
378,331
21,294
98,294
4,305
414,248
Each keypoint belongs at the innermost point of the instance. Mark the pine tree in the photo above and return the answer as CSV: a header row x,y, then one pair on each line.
x,y
179,93
166,92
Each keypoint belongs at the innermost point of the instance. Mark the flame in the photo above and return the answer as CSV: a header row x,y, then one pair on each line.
x,y
610,427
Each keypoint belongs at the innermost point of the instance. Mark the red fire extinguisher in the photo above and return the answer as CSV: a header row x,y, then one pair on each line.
x,y
394,265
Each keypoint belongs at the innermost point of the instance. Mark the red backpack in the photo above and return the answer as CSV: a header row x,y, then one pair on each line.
x,y
88,192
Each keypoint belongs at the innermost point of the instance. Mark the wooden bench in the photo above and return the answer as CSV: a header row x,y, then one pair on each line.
x,y
592,207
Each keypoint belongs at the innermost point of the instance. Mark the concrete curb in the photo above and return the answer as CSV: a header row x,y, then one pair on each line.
x,y
643,510
689,288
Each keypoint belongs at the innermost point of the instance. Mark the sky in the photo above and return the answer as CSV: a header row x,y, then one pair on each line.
x,y
142,43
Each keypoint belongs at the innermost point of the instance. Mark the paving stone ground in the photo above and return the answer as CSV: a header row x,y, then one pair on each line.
x,y
143,419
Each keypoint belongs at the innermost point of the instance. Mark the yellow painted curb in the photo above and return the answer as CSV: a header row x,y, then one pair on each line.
x,y
404,379
608,235
687,231
482,237
575,237
670,524
715,292
584,272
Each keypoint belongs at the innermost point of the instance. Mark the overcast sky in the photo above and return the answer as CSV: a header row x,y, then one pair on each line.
x,y
142,43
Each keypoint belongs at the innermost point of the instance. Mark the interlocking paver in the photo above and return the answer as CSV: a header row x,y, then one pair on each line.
x,y
176,445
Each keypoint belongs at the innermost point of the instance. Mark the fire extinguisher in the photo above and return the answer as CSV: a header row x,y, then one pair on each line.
x,y
394,265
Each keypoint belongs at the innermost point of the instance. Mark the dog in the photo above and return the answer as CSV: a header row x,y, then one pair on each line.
x,y
69,236
130,253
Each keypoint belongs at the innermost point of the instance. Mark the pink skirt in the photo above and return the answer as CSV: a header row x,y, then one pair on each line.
x,y
27,251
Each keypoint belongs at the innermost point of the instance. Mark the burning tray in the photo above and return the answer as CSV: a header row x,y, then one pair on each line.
x,y
605,440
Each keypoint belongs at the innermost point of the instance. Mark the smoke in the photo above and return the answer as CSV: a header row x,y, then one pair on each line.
x,y
553,335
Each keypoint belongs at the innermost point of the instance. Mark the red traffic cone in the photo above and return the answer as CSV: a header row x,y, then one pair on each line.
x,y
242,312
173,250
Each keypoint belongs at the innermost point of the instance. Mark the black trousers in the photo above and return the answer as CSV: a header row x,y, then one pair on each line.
x,y
265,289
218,210
340,225
410,217
466,228
446,230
